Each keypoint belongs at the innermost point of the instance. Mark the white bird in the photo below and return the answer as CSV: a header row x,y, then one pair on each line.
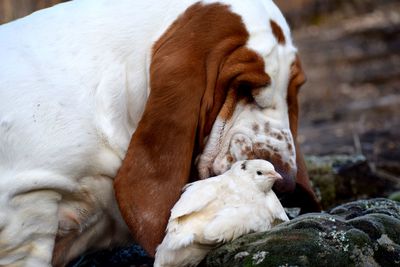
x,y
220,209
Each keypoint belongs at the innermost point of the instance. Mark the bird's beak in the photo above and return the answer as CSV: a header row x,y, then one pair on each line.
x,y
276,176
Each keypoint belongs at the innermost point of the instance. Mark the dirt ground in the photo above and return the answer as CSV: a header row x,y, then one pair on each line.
x,y
351,101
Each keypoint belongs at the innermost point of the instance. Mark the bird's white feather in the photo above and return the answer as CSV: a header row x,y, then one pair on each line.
x,y
218,210
275,207
195,198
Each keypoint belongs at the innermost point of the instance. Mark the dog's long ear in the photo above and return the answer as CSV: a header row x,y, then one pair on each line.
x,y
303,196
184,72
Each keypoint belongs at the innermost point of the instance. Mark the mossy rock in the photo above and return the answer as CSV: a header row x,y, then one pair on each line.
x,y
361,233
338,179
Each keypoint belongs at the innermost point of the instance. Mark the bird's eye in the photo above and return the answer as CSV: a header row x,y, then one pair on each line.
x,y
259,173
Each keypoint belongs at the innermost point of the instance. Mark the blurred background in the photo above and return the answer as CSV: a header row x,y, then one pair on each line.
x,y
350,105
13,9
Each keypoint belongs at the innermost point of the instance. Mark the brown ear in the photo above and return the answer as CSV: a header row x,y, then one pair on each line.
x,y
303,196
185,96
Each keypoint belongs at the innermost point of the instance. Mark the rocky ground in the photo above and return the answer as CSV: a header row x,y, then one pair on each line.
x,y
362,233
359,234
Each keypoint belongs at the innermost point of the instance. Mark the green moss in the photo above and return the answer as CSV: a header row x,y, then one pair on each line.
x,y
326,187
327,180
395,196
358,238
391,226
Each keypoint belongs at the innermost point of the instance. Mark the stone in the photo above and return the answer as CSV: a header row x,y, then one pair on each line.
x,y
339,179
360,233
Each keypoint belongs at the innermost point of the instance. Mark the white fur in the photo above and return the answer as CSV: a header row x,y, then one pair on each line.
x,y
220,209
73,86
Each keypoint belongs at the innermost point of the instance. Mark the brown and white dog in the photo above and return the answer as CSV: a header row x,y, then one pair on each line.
x,y
120,103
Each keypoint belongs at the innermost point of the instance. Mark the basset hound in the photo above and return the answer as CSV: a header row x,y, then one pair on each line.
x,y
108,108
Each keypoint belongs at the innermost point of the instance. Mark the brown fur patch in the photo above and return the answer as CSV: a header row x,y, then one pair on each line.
x,y
197,66
289,146
256,128
243,68
277,31
297,79
267,127
304,196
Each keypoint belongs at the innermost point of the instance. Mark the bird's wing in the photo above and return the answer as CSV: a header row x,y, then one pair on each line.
x,y
197,196
276,209
232,222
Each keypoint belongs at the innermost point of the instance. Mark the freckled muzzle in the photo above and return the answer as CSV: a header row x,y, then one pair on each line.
x,y
252,133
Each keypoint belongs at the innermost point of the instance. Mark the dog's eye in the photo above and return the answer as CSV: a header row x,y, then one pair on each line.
x,y
259,173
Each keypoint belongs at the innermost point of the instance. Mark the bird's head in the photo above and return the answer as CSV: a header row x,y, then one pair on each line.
x,y
261,172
